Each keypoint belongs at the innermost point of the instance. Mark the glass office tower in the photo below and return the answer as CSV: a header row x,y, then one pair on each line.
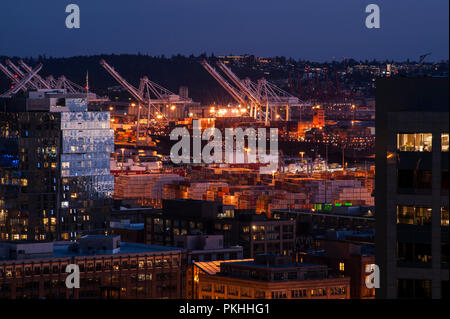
x,y
54,170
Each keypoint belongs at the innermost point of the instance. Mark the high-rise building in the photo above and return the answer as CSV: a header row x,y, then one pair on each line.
x,y
55,181
411,187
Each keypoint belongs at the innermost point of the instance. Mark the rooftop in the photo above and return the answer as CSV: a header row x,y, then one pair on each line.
x,y
213,267
87,246
125,248
427,94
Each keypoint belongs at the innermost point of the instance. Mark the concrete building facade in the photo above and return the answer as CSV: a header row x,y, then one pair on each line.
x,y
411,189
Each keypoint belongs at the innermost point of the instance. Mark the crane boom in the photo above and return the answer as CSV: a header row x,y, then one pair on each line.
x,y
246,90
22,83
11,76
20,73
38,77
51,81
230,89
131,89
64,83
422,57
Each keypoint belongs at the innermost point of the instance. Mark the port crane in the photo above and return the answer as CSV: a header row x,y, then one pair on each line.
x,y
149,95
257,93
31,84
264,97
246,86
37,82
238,96
51,83
40,81
13,77
22,83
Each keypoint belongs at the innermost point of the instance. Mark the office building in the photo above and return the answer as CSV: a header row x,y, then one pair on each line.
x,y
55,180
411,187
256,233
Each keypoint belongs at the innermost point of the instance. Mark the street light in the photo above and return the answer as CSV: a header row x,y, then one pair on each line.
x,y
301,154
123,158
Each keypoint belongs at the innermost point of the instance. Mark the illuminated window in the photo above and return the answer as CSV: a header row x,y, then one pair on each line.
x,y
64,204
444,142
444,216
414,142
412,215
319,292
341,266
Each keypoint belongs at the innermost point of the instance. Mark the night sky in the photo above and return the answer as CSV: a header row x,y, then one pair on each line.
x,y
309,29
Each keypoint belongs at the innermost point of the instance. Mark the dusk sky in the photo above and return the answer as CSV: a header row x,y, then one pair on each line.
x,y
309,29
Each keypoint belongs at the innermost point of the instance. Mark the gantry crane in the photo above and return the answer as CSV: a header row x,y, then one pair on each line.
x,y
51,83
244,94
264,96
21,74
238,96
150,95
37,82
44,84
69,86
22,83
13,77
247,87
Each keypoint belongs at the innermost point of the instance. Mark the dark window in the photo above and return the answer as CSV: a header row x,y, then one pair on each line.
x,y
408,288
414,179
444,254
445,289
414,254
444,180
